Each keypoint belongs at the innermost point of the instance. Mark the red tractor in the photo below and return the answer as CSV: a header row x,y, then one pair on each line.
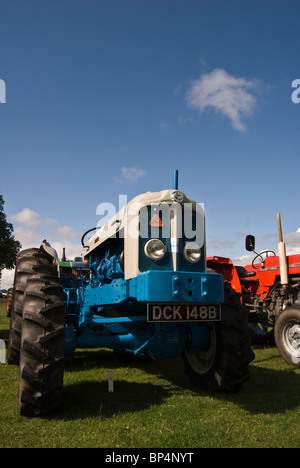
x,y
269,289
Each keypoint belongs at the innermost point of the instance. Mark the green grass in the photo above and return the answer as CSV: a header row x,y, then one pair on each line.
x,y
154,405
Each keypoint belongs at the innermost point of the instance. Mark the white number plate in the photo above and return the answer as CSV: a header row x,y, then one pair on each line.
x,y
183,312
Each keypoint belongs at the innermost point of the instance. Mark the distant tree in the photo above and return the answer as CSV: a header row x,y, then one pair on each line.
x,y
9,246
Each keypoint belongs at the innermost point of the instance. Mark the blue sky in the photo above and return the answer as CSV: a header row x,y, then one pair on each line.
x,y
109,97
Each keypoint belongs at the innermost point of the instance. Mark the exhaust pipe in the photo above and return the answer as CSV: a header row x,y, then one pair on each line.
x,y
282,255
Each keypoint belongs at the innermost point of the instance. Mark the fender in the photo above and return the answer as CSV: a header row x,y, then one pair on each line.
x,y
226,268
52,252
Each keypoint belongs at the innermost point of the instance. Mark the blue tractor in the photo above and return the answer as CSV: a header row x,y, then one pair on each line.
x,y
141,287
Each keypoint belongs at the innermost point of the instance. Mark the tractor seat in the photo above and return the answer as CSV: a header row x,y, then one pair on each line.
x,y
243,273
249,282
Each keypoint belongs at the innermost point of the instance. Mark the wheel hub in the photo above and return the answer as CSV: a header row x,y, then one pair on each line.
x,y
294,336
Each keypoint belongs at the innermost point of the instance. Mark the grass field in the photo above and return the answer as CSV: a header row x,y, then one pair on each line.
x,y
155,406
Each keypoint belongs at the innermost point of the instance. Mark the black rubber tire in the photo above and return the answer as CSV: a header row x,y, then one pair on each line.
x,y
29,262
228,359
42,346
287,335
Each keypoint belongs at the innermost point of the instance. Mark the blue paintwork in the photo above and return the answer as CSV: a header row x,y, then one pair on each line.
x,y
175,180
160,286
128,332
179,286
108,311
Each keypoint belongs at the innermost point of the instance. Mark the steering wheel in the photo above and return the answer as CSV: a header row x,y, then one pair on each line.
x,y
82,238
260,255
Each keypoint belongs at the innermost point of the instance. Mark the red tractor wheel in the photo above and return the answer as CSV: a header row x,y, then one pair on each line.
x,y
287,335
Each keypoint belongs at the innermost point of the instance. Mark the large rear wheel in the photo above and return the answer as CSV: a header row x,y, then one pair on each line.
x,y
42,346
29,262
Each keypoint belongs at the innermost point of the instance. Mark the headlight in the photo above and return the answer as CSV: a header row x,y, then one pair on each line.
x,y
155,249
177,196
192,252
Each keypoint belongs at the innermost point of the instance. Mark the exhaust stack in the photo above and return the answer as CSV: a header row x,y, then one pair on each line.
x,y
282,255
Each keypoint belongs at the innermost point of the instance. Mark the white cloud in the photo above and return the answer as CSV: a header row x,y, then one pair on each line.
x,y
26,217
243,260
292,245
183,120
7,279
65,232
164,125
50,221
71,249
28,236
226,94
31,230
130,174
292,242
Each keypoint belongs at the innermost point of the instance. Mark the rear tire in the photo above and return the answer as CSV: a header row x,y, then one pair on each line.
x,y
287,335
225,365
42,347
29,262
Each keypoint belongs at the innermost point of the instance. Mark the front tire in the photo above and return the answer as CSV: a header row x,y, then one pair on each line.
x,y
225,364
42,346
287,335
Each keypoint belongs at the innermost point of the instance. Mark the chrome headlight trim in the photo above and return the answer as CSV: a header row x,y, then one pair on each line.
x,y
155,249
177,196
192,252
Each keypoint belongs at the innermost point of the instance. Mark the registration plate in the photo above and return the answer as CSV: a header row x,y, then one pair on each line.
x,y
183,312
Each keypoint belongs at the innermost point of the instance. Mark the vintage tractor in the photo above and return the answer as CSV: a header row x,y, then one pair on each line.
x,y
270,291
147,293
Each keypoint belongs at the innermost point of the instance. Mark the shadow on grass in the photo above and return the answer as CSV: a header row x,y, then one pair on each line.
x,y
172,370
4,334
268,391
91,399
